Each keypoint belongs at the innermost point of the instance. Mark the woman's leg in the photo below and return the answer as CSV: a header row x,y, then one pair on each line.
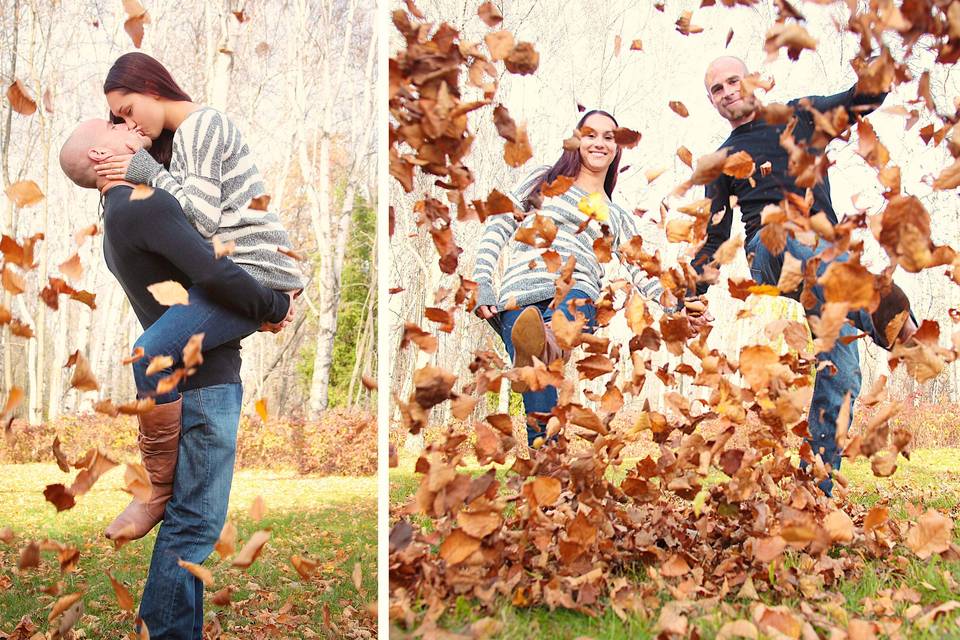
x,y
159,428
172,331
538,404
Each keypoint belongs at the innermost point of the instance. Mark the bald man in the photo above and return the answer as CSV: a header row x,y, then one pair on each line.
x,y
189,445
751,133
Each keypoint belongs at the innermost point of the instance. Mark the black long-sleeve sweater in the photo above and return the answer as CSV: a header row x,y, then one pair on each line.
x,y
149,241
762,141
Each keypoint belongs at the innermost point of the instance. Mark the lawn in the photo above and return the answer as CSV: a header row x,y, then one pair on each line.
x,y
931,477
331,520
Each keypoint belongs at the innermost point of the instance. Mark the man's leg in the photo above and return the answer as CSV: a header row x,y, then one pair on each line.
x,y
832,384
172,604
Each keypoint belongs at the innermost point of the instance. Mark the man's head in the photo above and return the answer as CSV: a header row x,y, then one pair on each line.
x,y
94,141
722,81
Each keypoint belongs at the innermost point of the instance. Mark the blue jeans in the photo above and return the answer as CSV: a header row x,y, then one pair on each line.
x,y
172,603
171,332
829,388
542,402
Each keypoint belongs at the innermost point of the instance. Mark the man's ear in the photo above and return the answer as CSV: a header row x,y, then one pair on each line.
x,y
99,154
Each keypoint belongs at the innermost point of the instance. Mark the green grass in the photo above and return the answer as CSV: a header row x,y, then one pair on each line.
x,y
931,477
331,520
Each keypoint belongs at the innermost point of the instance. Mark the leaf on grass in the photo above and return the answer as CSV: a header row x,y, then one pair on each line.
x,y
222,598
169,293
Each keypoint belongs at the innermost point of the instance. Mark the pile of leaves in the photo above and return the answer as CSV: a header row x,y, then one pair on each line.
x,y
706,518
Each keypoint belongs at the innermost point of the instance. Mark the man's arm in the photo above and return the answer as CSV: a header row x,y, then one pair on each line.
x,y
718,232
159,226
855,103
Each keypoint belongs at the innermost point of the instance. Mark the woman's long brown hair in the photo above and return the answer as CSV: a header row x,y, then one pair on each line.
x,y
139,73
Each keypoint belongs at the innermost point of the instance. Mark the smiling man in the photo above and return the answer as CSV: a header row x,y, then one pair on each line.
x,y
750,132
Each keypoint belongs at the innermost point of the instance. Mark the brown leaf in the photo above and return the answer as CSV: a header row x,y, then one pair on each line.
x,y
251,549
636,45
63,604
29,556
557,187
931,534
59,456
500,44
626,138
169,293
457,547
506,127
193,351
767,549
124,599
24,193
83,378
222,597
738,629
739,165
523,59
709,167
134,28
679,108
546,490
518,152
137,482
304,566
479,524
227,543
260,203
792,36
839,525
257,509
490,14
200,572
159,363
21,100
685,156
13,281
141,192
676,565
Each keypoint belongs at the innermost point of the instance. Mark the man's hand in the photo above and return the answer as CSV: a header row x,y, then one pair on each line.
x,y
486,311
114,167
277,327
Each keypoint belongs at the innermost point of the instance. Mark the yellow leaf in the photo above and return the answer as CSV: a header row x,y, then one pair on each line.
x,y
261,407
595,206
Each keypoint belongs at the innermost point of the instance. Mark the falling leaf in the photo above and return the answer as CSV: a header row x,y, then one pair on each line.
x,y
222,597
792,36
21,100
685,156
158,364
134,28
257,509
304,566
141,192
546,490
200,572
227,543
29,556
251,549
63,604
523,59
260,203
617,42
679,108
169,293
193,351
839,525
83,378
124,599
516,153
490,14
59,456
357,576
636,45
137,482
500,44
261,407
262,49
24,193
767,549
627,138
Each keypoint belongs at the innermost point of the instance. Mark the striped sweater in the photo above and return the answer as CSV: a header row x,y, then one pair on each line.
x,y
213,176
525,277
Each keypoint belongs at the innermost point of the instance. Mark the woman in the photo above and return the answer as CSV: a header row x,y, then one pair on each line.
x,y
581,215
198,156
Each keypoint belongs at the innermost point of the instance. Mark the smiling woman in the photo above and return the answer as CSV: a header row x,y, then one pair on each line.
x,y
575,211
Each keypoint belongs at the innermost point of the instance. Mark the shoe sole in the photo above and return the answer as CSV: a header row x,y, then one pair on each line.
x,y
528,337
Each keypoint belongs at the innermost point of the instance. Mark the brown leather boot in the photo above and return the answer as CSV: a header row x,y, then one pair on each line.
x,y
890,316
159,438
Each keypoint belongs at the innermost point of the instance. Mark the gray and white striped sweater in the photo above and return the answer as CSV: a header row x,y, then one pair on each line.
x,y
213,176
525,277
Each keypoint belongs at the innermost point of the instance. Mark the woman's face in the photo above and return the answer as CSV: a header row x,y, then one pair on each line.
x,y
139,111
597,147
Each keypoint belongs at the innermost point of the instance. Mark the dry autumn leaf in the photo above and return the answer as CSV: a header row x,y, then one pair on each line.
x,y
124,599
20,99
251,549
200,572
169,293
24,193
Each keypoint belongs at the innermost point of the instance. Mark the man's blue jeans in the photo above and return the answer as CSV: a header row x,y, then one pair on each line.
x,y
830,388
543,401
172,604
171,332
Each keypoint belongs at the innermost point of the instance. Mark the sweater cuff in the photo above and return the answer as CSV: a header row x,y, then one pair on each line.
x,y
485,295
143,168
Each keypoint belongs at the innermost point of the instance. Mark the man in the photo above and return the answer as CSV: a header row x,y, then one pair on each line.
x,y
146,241
762,140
